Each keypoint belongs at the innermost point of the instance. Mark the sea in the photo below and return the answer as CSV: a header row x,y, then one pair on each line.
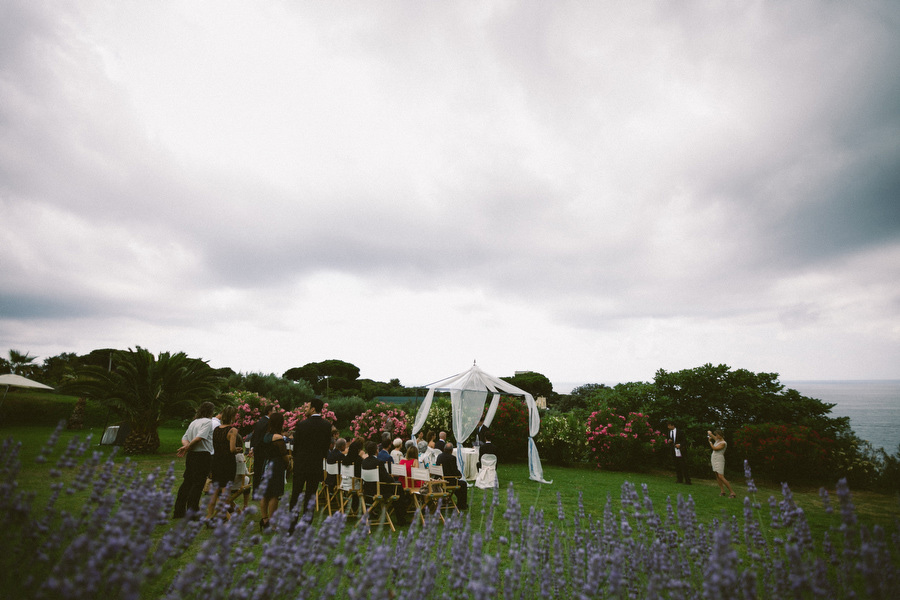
x,y
872,405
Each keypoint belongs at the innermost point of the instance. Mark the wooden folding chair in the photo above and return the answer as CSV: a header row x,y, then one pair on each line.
x,y
427,494
322,490
448,486
377,500
332,493
349,488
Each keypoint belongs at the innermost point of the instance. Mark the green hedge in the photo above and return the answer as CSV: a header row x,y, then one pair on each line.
x,y
25,407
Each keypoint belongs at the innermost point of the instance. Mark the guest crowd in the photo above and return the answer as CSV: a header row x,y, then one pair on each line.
x,y
215,462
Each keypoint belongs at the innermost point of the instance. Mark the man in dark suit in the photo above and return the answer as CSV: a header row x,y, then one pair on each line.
x,y
257,448
677,441
442,439
481,433
451,469
312,438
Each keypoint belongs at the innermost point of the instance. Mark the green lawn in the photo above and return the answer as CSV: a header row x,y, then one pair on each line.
x,y
592,486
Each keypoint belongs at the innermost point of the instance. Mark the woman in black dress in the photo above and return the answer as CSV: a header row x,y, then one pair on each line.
x,y
278,463
226,443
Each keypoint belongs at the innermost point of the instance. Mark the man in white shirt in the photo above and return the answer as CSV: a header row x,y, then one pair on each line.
x,y
196,447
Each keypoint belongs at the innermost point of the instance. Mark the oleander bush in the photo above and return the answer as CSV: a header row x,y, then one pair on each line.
x,y
624,442
293,417
381,417
120,543
249,405
783,452
509,429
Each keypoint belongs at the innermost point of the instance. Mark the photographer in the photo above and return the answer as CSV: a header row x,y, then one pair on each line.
x,y
718,445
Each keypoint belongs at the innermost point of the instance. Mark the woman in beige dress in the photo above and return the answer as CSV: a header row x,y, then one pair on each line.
x,y
718,445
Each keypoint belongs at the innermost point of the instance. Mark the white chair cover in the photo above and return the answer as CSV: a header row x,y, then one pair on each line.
x,y
487,476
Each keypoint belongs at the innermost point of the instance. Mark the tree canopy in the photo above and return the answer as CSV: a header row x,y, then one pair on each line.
x,y
327,376
147,390
533,383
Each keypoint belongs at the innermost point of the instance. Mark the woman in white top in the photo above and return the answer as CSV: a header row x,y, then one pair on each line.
x,y
396,453
718,445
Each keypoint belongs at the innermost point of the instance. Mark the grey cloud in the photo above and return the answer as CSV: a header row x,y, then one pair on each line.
x,y
605,167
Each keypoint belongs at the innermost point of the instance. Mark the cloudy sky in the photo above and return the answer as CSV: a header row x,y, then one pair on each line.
x,y
589,190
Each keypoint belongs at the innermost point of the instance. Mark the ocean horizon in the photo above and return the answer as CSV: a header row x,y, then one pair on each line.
x,y
873,405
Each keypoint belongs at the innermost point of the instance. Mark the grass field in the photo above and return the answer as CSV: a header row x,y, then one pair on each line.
x,y
569,484
582,508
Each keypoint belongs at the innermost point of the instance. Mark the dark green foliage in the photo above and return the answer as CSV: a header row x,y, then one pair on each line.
x,y
32,407
509,429
21,363
782,452
580,398
561,439
533,383
346,408
889,480
370,389
147,390
328,376
289,394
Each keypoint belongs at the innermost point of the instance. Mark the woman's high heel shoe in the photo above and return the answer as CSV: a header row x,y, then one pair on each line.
x,y
263,524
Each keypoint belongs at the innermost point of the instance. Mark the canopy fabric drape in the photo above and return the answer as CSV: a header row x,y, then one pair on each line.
x,y
468,395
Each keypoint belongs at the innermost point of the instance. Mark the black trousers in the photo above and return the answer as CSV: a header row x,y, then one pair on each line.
x,y
308,481
196,469
681,472
462,494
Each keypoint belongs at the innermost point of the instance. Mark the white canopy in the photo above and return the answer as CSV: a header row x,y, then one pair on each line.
x,y
468,395
19,381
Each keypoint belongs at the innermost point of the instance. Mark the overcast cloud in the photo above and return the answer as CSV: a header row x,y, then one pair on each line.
x,y
590,190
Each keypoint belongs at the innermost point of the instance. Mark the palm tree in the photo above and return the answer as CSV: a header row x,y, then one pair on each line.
x,y
20,363
147,390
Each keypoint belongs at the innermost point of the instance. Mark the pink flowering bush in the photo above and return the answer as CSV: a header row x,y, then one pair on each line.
x,y
291,418
249,406
618,442
381,417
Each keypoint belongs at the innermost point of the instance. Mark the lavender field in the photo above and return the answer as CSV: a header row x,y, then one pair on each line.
x,y
120,542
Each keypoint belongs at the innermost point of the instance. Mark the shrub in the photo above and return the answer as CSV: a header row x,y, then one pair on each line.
x,y
561,439
289,394
381,417
784,452
619,442
249,405
856,460
291,418
890,471
439,417
509,429
346,408
27,407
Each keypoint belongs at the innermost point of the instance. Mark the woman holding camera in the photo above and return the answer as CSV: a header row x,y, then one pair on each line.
x,y
718,445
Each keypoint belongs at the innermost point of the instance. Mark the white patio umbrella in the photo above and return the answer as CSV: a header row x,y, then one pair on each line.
x,y
11,380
